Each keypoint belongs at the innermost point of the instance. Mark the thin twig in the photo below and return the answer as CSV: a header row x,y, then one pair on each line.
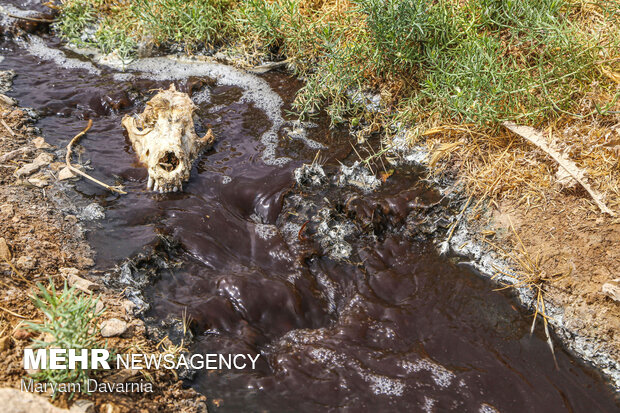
x,y
458,220
7,260
85,175
7,127
32,19
13,314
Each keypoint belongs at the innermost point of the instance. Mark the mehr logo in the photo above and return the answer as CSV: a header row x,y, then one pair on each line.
x,y
37,359
94,359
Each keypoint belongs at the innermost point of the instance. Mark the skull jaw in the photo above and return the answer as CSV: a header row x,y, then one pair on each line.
x,y
167,173
167,183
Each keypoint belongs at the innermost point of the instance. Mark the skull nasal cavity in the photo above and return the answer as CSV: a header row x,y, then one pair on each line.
x,y
168,162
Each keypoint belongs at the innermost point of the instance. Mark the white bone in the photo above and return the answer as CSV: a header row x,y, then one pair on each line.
x,y
167,132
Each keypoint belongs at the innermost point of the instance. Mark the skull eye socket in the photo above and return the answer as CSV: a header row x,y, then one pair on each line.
x,y
169,162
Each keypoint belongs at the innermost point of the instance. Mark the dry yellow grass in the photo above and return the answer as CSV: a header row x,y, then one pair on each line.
x,y
500,165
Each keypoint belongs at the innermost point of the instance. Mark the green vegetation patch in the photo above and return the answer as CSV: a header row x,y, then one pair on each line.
x,y
69,323
477,61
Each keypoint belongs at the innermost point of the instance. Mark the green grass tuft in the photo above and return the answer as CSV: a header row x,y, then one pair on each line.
x,y
70,324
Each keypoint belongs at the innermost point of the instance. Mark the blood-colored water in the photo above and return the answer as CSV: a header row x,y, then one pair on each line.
x,y
394,328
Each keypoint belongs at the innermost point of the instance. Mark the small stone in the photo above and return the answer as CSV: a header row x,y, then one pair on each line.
x,y
113,327
65,173
46,338
57,166
83,406
40,180
99,307
129,307
26,263
109,408
5,252
7,209
73,278
71,219
5,343
7,101
24,150
17,401
123,376
39,143
22,334
39,162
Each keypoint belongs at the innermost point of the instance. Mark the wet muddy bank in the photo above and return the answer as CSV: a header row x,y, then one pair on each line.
x,y
42,240
571,315
334,279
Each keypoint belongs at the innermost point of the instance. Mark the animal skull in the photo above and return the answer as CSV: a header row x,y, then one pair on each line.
x,y
164,138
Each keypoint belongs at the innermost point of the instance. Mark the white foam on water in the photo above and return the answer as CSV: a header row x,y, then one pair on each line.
x,y
330,290
226,179
280,255
428,404
297,131
37,47
378,384
204,96
290,230
265,231
441,376
304,337
384,385
382,330
122,77
326,356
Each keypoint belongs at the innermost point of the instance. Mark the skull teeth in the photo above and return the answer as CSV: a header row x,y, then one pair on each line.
x,y
161,187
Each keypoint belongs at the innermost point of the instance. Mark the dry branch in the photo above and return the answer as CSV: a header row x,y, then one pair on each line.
x,y
13,154
75,139
13,313
30,19
536,138
7,127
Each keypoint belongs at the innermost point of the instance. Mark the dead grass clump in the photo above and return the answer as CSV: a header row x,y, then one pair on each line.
x,y
499,166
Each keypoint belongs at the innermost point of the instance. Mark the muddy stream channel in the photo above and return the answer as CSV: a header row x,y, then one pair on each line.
x,y
339,289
